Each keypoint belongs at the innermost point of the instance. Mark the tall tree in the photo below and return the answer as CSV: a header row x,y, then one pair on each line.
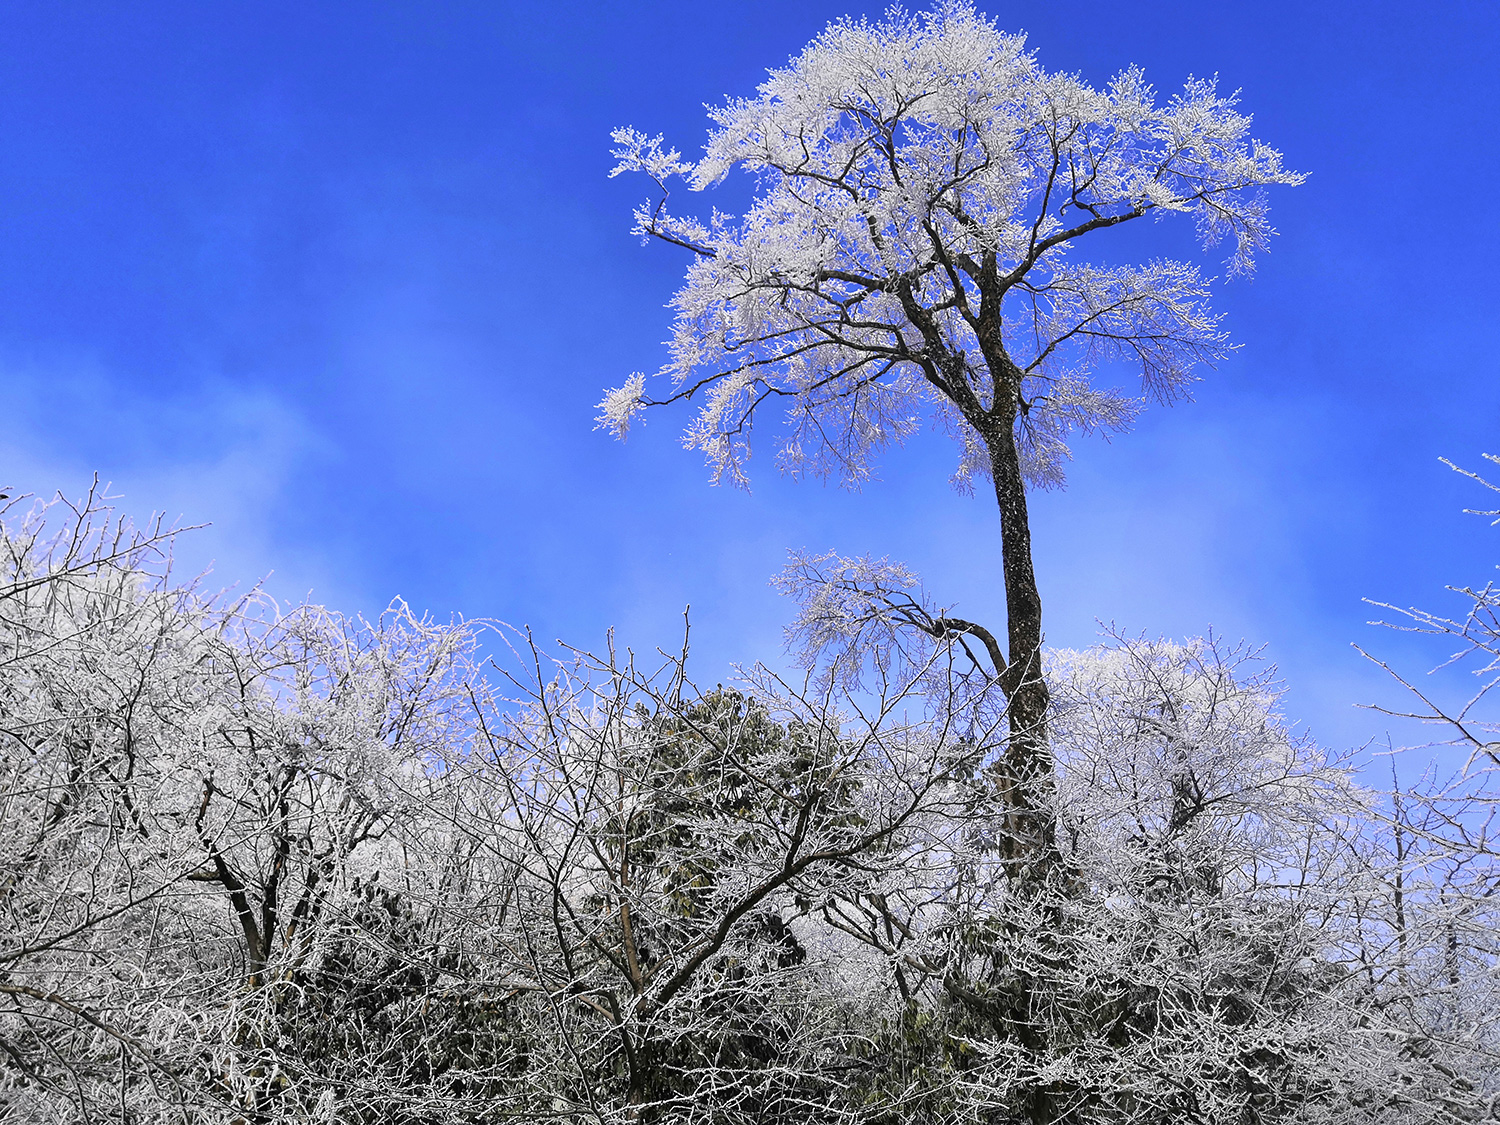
x,y
922,184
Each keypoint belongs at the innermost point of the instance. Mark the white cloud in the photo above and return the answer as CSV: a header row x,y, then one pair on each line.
x,y
210,454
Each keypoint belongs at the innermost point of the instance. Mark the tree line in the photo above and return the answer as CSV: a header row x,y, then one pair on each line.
x,y
266,865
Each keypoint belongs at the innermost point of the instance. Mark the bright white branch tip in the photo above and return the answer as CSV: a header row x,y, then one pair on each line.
x,y
637,152
617,408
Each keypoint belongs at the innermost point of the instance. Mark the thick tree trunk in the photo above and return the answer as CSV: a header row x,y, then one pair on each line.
x,y
1030,846
1030,850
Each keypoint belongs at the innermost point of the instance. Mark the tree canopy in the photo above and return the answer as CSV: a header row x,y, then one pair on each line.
x,y
922,184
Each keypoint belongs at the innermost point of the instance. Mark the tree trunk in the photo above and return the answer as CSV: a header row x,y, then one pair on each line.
x,y
1029,847
1030,839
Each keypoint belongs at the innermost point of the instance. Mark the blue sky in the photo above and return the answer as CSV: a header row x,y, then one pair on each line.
x,y
347,281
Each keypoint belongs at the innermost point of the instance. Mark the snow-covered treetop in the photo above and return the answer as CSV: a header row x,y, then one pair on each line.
x,y
921,184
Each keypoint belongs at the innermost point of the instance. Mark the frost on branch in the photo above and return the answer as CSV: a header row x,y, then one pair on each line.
x,y
197,798
1442,858
1173,758
640,153
922,187
1220,948
620,406
848,608
867,625
1474,723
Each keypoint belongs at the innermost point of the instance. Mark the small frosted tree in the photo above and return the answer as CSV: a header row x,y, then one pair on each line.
x,y
922,185
1443,855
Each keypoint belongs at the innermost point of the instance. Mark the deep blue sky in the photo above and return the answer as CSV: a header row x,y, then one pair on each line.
x,y
347,280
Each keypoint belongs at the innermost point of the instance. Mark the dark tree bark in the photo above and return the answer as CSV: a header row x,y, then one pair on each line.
x,y
1030,844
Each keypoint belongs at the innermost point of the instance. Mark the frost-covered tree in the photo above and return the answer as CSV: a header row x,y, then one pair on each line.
x,y
94,647
913,249
196,796
1442,861
650,859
